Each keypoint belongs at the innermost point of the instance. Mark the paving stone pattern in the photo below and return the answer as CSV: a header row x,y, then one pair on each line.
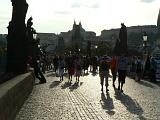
x,y
57,100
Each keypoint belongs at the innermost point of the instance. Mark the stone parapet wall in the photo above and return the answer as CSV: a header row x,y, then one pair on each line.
x,y
13,93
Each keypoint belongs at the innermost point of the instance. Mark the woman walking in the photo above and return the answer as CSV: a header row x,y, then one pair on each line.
x,y
122,71
61,66
71,69
113,67
78,66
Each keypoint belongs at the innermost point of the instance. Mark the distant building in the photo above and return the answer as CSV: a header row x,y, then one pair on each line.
x,y
89,34
49,41
67,37
77,35
113,33
135,34
61,45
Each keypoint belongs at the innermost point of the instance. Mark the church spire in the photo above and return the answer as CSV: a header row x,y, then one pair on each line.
x,y
158,20
80,23
74,25
74,22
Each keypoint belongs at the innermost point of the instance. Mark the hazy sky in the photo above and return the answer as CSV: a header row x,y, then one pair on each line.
x,y
57,16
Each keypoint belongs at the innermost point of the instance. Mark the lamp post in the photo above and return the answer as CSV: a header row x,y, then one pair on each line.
x,y
39,46
36,46
96,48
145,42
79,50
146,57
34,35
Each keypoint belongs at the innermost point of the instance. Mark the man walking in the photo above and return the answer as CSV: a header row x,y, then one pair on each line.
x,y
122,71
113,67
104,73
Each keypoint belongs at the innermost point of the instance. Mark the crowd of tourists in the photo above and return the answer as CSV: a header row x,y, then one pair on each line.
x,y
78,65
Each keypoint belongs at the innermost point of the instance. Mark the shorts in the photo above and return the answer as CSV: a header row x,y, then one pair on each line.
x,y
122,75
104,76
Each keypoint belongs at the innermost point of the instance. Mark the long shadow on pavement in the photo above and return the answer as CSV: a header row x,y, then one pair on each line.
x,y
75,86
131,105
107,103
145,83
65,85
54,84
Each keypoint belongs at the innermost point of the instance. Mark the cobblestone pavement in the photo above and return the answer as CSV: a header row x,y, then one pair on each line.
x,y
61,101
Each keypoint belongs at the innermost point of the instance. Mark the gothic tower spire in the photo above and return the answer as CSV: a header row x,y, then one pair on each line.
x,y
80,23
74,22
74,25
158,21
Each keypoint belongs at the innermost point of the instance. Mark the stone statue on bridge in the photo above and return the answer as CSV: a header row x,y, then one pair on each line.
x,y
16,38
123,39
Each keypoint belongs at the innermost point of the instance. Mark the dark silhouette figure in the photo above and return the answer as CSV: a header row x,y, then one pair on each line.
x,y
33,51
29,33
104,73
123,39
146,72
116,47
122,71
38,73
55,63
16,39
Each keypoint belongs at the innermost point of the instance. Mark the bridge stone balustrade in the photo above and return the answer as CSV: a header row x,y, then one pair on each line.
x,y
13,93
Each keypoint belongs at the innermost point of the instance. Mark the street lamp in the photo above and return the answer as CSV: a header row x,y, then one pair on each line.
x,y
146,55
145,41
34,35
39,46
79,50
145,37
96,48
